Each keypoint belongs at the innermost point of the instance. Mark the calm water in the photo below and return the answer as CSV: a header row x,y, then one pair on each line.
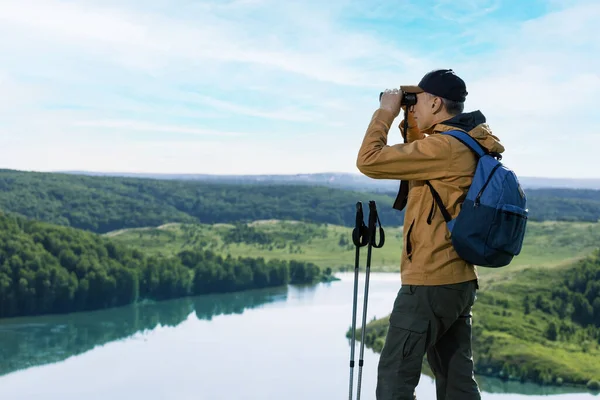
x,y
270,344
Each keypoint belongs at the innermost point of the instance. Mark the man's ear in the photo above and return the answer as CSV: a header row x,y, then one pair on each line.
x,y
437,105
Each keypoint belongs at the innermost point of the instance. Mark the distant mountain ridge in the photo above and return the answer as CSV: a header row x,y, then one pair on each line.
x,y
107,203
334,179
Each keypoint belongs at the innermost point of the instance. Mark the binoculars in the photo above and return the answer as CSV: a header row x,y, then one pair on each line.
x,y
408,99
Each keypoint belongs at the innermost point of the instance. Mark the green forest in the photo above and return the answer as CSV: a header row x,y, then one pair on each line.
x,y
104,204
46,268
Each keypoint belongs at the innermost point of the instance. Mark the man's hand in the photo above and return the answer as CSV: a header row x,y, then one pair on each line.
x,y
390,100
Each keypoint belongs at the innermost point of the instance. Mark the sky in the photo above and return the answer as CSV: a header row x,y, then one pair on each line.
x,y
285,87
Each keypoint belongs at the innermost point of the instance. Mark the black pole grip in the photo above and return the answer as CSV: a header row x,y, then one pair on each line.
x,y
360,233
373,221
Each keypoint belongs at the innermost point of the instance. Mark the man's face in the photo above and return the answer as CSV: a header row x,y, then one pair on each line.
x,y
423,110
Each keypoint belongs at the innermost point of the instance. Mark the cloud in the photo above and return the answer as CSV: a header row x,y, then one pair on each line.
x,y
147,41
287,114
465,11
283,85
172,156
147,127
15,95
537,88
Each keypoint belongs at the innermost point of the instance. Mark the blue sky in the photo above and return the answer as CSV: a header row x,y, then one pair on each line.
x,y
265,86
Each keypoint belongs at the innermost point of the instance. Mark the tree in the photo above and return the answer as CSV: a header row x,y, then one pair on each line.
x,y
343,242
583,312
527,305
596,307
551,332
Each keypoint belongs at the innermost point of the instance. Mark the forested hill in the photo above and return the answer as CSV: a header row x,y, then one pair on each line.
x,y
103,204
46,268
339,180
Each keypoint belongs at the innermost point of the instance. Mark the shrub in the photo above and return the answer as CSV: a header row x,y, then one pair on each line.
x,y
593,385
559,381
378,345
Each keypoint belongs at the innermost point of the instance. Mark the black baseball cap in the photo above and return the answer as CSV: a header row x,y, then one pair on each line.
x,y
441,82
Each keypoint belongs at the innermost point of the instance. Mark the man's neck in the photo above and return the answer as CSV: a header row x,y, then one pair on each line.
x,y
441,117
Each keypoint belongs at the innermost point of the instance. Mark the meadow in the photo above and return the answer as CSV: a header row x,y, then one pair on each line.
x,y
547,244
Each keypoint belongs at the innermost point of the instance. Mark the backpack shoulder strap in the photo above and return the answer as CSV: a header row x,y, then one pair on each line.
x,y
468,141
479,151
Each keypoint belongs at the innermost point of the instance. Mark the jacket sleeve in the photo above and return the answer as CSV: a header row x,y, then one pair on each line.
x,y
427,158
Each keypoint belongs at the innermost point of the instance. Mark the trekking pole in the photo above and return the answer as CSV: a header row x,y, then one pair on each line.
x,y
373,220
360,237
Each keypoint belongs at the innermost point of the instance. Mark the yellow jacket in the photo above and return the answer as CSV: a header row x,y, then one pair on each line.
x,y
428,257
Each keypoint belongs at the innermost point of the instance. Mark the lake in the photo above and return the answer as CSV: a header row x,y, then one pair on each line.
x,y
279,343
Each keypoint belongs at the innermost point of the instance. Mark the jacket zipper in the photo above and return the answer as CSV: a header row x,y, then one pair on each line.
x,y
514,213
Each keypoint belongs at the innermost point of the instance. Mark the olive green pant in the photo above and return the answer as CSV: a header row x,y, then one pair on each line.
x,y
433,321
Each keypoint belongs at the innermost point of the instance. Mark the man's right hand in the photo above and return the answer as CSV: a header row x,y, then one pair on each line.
x,y
390,100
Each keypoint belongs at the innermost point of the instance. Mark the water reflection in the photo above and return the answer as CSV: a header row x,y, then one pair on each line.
x,y
489,384
495,385
34,341
325,308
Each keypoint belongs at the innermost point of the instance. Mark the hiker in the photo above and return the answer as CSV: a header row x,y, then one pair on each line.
x,y
431,314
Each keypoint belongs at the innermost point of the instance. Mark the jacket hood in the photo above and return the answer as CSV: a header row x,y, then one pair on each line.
x,y
474,123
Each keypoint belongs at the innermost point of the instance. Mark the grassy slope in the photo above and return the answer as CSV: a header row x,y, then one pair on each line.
x,y
508,343
320,246
546,244
515,338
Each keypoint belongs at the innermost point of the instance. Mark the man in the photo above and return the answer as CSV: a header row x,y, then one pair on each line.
x,y
431,314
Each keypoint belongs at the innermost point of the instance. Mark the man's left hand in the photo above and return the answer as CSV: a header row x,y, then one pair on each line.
x,y
390,100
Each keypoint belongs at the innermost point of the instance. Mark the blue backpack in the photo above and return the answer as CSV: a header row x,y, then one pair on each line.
x,y
490,226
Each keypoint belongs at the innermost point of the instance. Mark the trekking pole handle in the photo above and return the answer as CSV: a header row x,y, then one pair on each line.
x,y
373,221
360,234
